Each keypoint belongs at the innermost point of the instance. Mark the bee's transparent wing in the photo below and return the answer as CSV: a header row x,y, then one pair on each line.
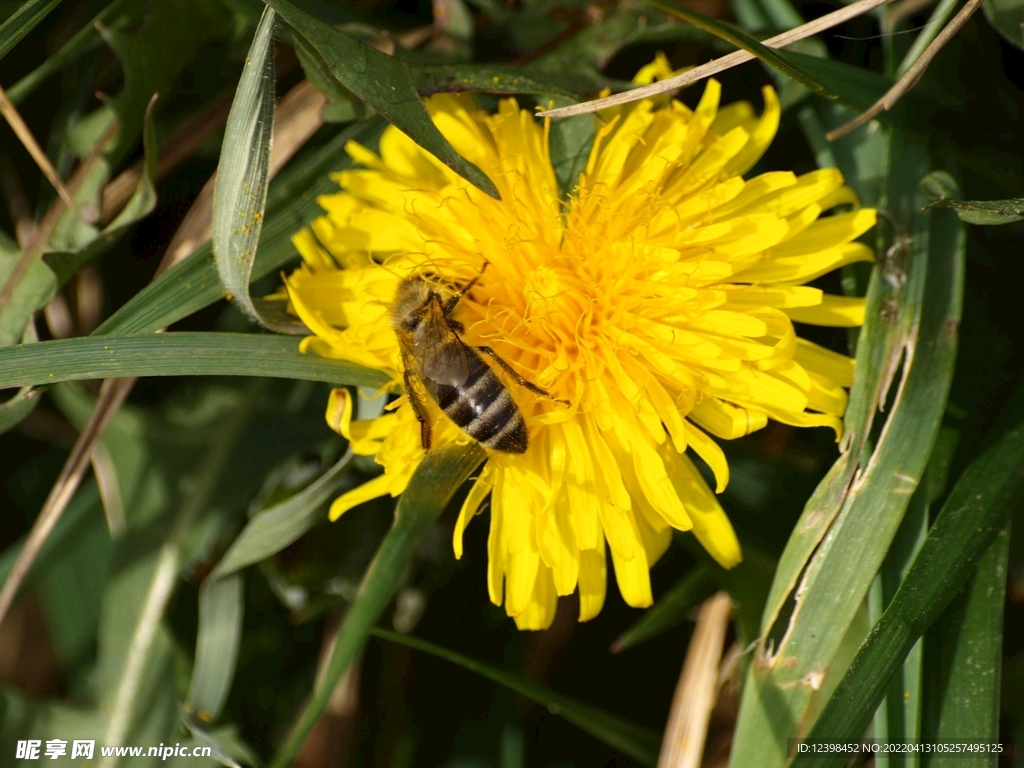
x,y
443,354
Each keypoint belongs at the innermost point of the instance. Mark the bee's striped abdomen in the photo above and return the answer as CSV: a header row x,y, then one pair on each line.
x,y
483,408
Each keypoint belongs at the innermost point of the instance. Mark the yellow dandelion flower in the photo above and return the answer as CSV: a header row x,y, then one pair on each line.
x,y
657,302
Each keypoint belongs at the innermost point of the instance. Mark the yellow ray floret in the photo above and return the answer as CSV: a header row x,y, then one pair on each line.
x,y
658,300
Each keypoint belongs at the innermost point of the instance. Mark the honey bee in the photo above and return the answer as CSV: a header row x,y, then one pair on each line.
x,y
454,374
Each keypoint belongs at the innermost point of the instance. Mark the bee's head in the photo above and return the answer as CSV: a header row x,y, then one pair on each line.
x,y
410,303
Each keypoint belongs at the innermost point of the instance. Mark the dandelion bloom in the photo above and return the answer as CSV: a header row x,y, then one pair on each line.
x,y
657,299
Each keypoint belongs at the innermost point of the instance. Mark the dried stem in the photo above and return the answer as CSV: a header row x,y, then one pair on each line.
x,y
112,395
21,130
718,65
683,743
912,75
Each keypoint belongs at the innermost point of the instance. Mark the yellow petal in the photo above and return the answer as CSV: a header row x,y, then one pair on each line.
x,y
372,489
471,506
711,526
834,311
593,582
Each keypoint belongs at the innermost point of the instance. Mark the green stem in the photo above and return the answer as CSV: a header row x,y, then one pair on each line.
x,y
436,480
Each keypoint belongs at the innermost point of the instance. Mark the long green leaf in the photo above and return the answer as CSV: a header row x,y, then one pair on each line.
x,y
23,21
975,514
240,196
635,741
383,82
899,715
923,311
430,489
174,354
965,653
291,203
770,56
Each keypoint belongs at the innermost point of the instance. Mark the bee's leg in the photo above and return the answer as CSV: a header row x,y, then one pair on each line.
x,y
517,376
449,306
426,432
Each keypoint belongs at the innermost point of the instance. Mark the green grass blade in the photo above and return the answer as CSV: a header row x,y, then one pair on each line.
x,y
966,645
773,58
975,514
279,526
965,653
635,741
670,610
291,203
174,354
240,196
781,689
221,610
431,488
383,82
23,21
899,715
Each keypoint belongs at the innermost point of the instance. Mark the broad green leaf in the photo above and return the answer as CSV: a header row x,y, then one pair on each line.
x,y
770,56
670,610
174,354
919,287
342,106
970,522
634,741
1007,16
220,598
291,203
23,21
384,83
432,486
240,196
965,656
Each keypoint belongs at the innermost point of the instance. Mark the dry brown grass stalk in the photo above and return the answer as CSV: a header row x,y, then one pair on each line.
x,y
682,746
734,59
